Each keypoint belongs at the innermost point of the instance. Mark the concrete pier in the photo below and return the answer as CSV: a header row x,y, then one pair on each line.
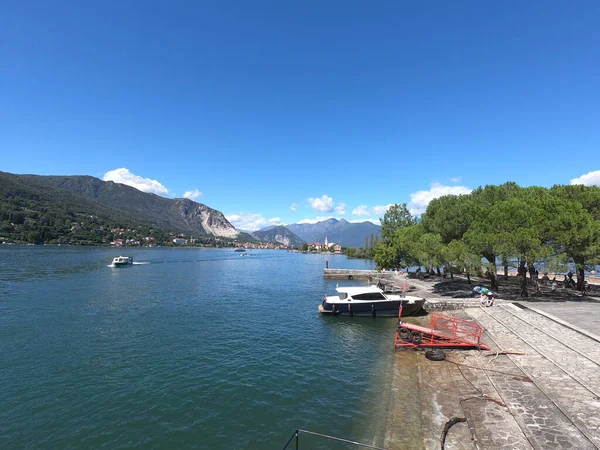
x,y
349,274
545,395
394,282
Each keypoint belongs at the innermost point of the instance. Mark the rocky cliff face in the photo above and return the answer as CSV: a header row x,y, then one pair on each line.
x,y
279,235
180,214
198,215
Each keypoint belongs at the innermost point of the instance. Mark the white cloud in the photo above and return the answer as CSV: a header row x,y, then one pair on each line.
x,y
311,221
589,179
456,179
192,194
420,199
381,210
361,210
247,221
124,176
364,210
340,208
293,207
376,222
251,222
318,219
321,204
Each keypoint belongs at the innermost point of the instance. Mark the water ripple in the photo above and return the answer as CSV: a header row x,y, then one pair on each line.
x,y
196,349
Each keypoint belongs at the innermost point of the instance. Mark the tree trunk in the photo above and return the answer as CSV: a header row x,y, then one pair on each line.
x,y
439,272
468,277
493,275
451,275
523,278
580,276
531,271
506,272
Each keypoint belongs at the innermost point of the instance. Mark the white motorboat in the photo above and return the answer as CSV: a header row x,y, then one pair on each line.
x,y
369,301
121,261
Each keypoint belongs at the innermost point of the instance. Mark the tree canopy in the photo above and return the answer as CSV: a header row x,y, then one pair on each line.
x,y
531,228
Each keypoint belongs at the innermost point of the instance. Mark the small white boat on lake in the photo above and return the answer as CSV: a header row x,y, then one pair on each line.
x,y
121,261
369,301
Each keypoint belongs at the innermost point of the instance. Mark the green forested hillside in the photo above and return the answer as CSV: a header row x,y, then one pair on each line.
x,y
162,212
31,212
86,210
278,234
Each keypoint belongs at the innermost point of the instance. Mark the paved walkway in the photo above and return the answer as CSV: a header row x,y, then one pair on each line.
x,y
584,314
558,408
548,397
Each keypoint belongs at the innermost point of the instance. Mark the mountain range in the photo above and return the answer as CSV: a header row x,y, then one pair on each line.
x,y
39,208
347,234
278,235
41,203
179,214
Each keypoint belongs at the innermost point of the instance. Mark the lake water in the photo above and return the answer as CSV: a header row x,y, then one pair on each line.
x,y
195,348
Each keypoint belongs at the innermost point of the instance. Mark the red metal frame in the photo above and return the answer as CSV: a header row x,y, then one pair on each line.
x,y
445,331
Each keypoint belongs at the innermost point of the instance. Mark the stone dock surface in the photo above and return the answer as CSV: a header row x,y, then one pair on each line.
x,y
546,398
544,394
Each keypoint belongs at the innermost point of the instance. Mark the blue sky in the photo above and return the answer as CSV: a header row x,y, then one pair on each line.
x,y
281,112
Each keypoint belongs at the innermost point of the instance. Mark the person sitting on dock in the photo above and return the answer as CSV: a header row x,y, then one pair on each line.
x,y
487,298
586,288
485,295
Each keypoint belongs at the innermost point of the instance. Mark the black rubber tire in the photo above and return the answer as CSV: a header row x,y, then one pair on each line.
x,y
435,355
350,277
416,337
403,333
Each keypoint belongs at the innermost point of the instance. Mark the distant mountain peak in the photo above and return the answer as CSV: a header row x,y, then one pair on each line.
x,y
180,214
278,235
342,232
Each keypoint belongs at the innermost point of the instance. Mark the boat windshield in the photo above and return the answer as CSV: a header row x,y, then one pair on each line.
x,y
343,295
369,296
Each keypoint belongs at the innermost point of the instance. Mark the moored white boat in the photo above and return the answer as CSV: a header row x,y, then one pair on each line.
x,y
369,301
121,261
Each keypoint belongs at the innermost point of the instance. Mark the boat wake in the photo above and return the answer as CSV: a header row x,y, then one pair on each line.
x,y
135,263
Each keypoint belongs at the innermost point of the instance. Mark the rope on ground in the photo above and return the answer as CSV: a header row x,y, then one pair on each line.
x,y
514,375
447,427
482,395
508,352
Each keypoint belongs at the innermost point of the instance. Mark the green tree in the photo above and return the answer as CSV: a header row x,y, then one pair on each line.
x,y
385,255
449,216
574,232
516,228
461,258
395,218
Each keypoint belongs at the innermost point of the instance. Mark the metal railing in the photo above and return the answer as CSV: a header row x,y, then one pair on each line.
x,y
333,438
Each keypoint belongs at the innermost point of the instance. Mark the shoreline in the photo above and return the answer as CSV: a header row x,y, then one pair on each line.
x,y
527,400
